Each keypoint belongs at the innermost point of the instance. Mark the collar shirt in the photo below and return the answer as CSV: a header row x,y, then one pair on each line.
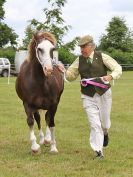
x,y
116,70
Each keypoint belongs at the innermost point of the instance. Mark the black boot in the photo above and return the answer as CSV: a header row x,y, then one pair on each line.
x,y
98,155
106,140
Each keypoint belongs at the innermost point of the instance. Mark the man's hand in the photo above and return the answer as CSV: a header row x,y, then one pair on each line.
x,y
61,67
107,78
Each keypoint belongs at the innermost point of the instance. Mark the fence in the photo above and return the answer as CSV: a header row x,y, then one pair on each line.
x,y
13,70
127,67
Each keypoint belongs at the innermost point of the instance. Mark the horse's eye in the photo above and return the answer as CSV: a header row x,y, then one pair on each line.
x,y
51,52
40,50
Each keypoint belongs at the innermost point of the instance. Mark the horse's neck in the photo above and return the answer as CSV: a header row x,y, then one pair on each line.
x,y
37,70
35,63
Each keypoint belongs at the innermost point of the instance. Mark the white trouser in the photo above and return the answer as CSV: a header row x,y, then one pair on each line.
x,y
98,110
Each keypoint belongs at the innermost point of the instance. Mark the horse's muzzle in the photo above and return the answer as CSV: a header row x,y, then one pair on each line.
x,y
47,70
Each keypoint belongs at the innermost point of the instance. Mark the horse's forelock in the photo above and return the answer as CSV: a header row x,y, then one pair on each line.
x,y
37,37
45,35
49,37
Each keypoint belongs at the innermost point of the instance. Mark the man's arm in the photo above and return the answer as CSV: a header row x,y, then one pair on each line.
x,y
112,65
72,72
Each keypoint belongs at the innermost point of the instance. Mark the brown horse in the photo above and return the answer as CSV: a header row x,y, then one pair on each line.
x,y
39,85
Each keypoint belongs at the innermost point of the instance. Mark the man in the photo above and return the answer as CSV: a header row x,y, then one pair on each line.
x,y
96,95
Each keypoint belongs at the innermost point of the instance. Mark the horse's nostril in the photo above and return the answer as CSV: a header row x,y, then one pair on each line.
x,y
48,70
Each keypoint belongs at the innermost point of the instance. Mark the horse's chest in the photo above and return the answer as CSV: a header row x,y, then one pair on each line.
x,y
45,97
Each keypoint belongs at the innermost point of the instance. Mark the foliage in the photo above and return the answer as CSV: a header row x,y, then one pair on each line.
x,y
53,21
122,57
56,25
9,53
65,56
118,36
118,41
28,35
2,12
71,44
7,34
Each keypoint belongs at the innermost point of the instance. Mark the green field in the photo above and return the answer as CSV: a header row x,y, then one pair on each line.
x,y
75,157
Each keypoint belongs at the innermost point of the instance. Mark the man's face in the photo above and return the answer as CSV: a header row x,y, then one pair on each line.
x,y
86,49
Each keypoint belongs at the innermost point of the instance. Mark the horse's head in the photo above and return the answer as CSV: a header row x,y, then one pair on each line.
x,y
45,44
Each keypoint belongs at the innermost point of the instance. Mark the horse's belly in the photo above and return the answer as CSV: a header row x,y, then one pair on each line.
x,y
42,102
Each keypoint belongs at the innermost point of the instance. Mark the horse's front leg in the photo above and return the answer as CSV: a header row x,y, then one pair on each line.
x,y
30,121
34,146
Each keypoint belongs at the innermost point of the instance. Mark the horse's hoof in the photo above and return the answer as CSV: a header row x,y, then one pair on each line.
x,y
54,151
35,149
47,143
41,141
36,152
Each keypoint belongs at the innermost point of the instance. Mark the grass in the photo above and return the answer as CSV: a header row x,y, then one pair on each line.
x,y
75,157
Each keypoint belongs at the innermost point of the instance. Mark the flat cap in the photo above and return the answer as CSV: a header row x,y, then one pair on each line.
x,y
85,39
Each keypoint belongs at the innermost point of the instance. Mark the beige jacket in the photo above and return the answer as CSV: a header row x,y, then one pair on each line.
x,y
116,70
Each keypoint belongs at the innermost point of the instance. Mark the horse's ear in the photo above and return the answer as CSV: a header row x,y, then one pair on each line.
x,y
36,34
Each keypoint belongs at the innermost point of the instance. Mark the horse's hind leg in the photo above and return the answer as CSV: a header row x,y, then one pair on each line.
x,y
38,120
47,138
30,121
49,117
53,141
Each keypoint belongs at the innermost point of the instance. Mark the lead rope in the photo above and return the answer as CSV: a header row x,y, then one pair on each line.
x,y
64,75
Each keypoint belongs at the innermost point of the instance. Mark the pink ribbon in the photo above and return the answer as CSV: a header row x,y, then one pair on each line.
x,y
85,82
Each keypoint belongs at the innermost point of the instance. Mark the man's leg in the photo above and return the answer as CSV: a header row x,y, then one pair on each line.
x,y
105,104
93,115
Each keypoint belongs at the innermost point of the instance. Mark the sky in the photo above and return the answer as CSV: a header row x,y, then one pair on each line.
x,y
85,16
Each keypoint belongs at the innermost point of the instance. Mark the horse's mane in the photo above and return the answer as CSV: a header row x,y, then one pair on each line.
x,y
37,37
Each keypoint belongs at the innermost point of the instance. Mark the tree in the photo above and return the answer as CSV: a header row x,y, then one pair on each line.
x,y
55,24
1,9
8,52
70,46
7,34
118,36
53,21
28,35
118,41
